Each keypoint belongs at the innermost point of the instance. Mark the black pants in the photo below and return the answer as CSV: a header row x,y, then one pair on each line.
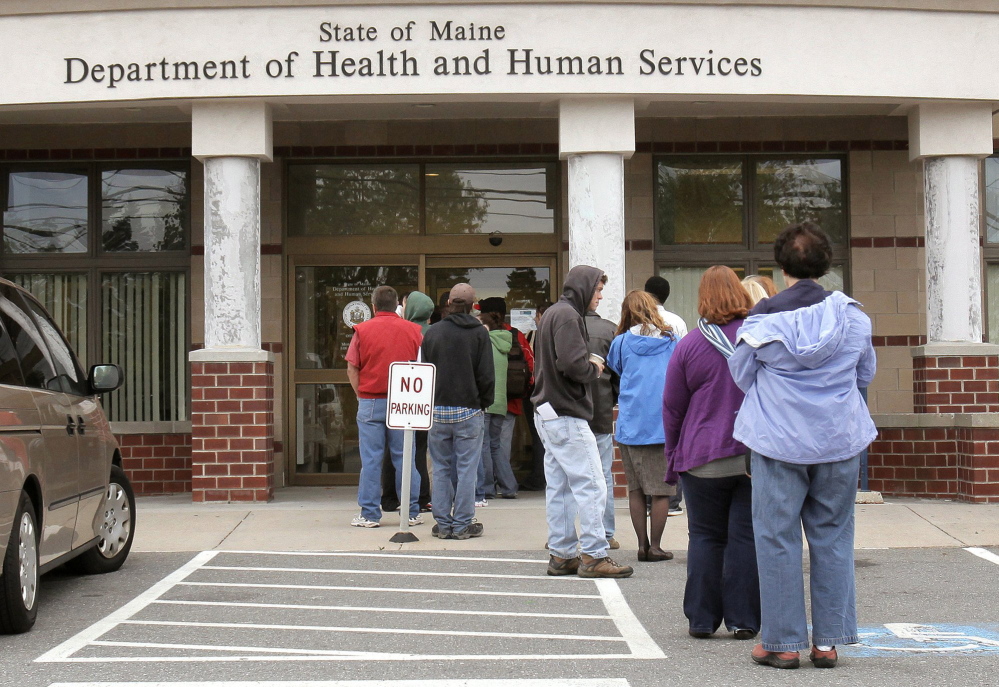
x,y
536,480
390,499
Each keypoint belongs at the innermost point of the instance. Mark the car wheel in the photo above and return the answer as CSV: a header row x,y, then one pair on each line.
x,y
116,530
19,582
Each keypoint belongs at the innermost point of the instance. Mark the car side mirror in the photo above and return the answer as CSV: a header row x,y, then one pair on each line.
x,y
105,378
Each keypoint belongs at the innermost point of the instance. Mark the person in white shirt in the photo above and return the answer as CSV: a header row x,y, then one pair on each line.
x,y
659,288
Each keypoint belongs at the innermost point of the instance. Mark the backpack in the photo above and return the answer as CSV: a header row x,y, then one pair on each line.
x,y
518,377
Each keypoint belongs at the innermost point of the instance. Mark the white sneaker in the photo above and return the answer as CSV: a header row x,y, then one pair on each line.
x,y
418,520
481,504
361,521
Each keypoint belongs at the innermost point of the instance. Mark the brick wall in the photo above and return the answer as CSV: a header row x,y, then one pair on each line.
x,y
157,463
232,422
956,384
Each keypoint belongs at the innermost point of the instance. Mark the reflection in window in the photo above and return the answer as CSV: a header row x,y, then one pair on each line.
x,y
483,198
699,200
340,200
683,285
144,325
794,190
143,209
36,363
992,201
832,281
326,429
521,287
65,298
329,301
46,212
69,378
992,294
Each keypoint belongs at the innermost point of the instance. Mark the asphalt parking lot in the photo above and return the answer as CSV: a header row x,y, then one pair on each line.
x,y
927,616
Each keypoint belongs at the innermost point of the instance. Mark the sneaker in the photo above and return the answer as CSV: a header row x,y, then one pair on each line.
x,y
674,511
612,543
361,521
823,659
507,496
777,659
439,533
562,566
481,504
470,532
602,567
426,508
416,520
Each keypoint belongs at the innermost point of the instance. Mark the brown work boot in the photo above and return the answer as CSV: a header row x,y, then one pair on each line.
x,y
823,659
602,567
562,566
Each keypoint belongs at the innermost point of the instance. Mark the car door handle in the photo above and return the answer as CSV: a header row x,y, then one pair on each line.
x,y
70,427
80,425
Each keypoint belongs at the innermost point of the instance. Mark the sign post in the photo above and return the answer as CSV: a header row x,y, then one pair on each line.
x,y
410,408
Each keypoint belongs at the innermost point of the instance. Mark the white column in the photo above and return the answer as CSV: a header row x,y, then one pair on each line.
x,y
231,138
953,255
596,136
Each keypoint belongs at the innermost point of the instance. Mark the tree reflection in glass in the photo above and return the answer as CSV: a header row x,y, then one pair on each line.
x,y
793,190
699,200
144,209
46,212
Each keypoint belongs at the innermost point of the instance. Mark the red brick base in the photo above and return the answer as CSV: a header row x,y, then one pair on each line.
x,y
157,463
232,425
955,384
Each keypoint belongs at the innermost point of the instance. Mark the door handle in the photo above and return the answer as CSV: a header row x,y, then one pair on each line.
x,y
80,425
70,427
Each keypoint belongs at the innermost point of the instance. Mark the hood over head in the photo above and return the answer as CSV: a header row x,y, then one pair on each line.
x,y
580,284
811,335
642,344
419,307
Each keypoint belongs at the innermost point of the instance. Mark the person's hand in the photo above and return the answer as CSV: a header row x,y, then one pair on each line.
x,y
600,367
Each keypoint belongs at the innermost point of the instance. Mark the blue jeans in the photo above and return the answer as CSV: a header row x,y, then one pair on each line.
x,y
455,448
819,498
372,438
494,467
722,579
605,445
575,486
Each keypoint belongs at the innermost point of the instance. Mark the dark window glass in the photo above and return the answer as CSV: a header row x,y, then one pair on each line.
x,y
46,212
69,379
992,200
10,369
144,209
327,431
340,200
699,200
31,349
793,190
483,198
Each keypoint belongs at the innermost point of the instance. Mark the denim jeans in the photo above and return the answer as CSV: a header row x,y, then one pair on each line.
x,y
722,579
373,437
494,467
575,486
819,498
605,445
455,448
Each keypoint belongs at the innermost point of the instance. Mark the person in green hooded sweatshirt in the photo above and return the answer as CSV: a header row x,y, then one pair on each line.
x,y
495,474
416,307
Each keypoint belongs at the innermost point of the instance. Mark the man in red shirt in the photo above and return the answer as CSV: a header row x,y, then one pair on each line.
x,y
377,343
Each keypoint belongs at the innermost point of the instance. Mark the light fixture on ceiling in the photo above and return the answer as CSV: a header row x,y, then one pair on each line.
x,y
424,106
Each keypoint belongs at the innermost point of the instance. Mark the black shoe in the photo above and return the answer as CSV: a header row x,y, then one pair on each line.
x,y
425,508
506,496
530,486
470,532
439,533
699,635
744,634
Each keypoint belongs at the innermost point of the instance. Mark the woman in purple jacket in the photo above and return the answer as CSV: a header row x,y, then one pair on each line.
x,y
700,401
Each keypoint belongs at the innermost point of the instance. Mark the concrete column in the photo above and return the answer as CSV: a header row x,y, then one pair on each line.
x,y
596,136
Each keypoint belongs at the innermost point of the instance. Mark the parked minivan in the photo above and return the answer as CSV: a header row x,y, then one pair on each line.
x,y
63,494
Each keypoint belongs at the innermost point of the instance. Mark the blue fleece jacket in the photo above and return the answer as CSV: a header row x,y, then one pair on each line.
x,y
640,362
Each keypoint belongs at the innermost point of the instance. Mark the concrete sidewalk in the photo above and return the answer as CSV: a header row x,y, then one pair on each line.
x,y
318,519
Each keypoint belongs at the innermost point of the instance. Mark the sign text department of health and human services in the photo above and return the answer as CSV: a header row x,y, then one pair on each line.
x,y
357,55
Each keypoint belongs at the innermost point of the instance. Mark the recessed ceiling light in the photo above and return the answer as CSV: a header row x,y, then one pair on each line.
x,y
702,102
424,106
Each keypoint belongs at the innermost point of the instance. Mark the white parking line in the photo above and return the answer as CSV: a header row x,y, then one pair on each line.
x,y
354,554
603,682
396,590
405,573
984,554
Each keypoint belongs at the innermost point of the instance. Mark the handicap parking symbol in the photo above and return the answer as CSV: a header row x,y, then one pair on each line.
x,y
938,639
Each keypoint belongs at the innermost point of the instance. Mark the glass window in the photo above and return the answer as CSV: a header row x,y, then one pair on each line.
x,y
10,369
792,190
699,200
144,209
144,330
992,294
483,198
326,431
683,285
992,200
65,298
36,363
46,212
340,200
329,301
832,281
69,378
521,287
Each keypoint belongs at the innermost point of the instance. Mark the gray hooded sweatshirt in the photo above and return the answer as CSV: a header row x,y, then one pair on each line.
x,y
562,370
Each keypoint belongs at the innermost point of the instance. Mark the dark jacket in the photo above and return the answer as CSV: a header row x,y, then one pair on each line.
x,y
803,294
604,389
562,370
460,348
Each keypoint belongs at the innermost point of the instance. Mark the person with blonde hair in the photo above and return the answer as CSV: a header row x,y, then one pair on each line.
x,y
640,354
759,287
700,401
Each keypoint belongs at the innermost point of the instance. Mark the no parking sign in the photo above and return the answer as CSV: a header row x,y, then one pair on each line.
x,y
411,396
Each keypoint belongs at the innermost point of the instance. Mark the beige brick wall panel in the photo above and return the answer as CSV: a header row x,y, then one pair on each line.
x,y
674,130
860,161
897,280
889,161
873,258
910,225
861,180
861,205
861,280
640,208
876,302
910,302
898,203
197,287
897,325
893,402
639,266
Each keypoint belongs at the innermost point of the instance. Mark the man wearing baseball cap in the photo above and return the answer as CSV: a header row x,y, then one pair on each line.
x,y
460,348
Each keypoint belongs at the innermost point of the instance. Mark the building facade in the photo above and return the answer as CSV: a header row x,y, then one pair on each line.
x,y
206,193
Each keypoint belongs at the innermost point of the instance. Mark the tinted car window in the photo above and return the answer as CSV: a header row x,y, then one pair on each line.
x,y
69,379
28,342
10,369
